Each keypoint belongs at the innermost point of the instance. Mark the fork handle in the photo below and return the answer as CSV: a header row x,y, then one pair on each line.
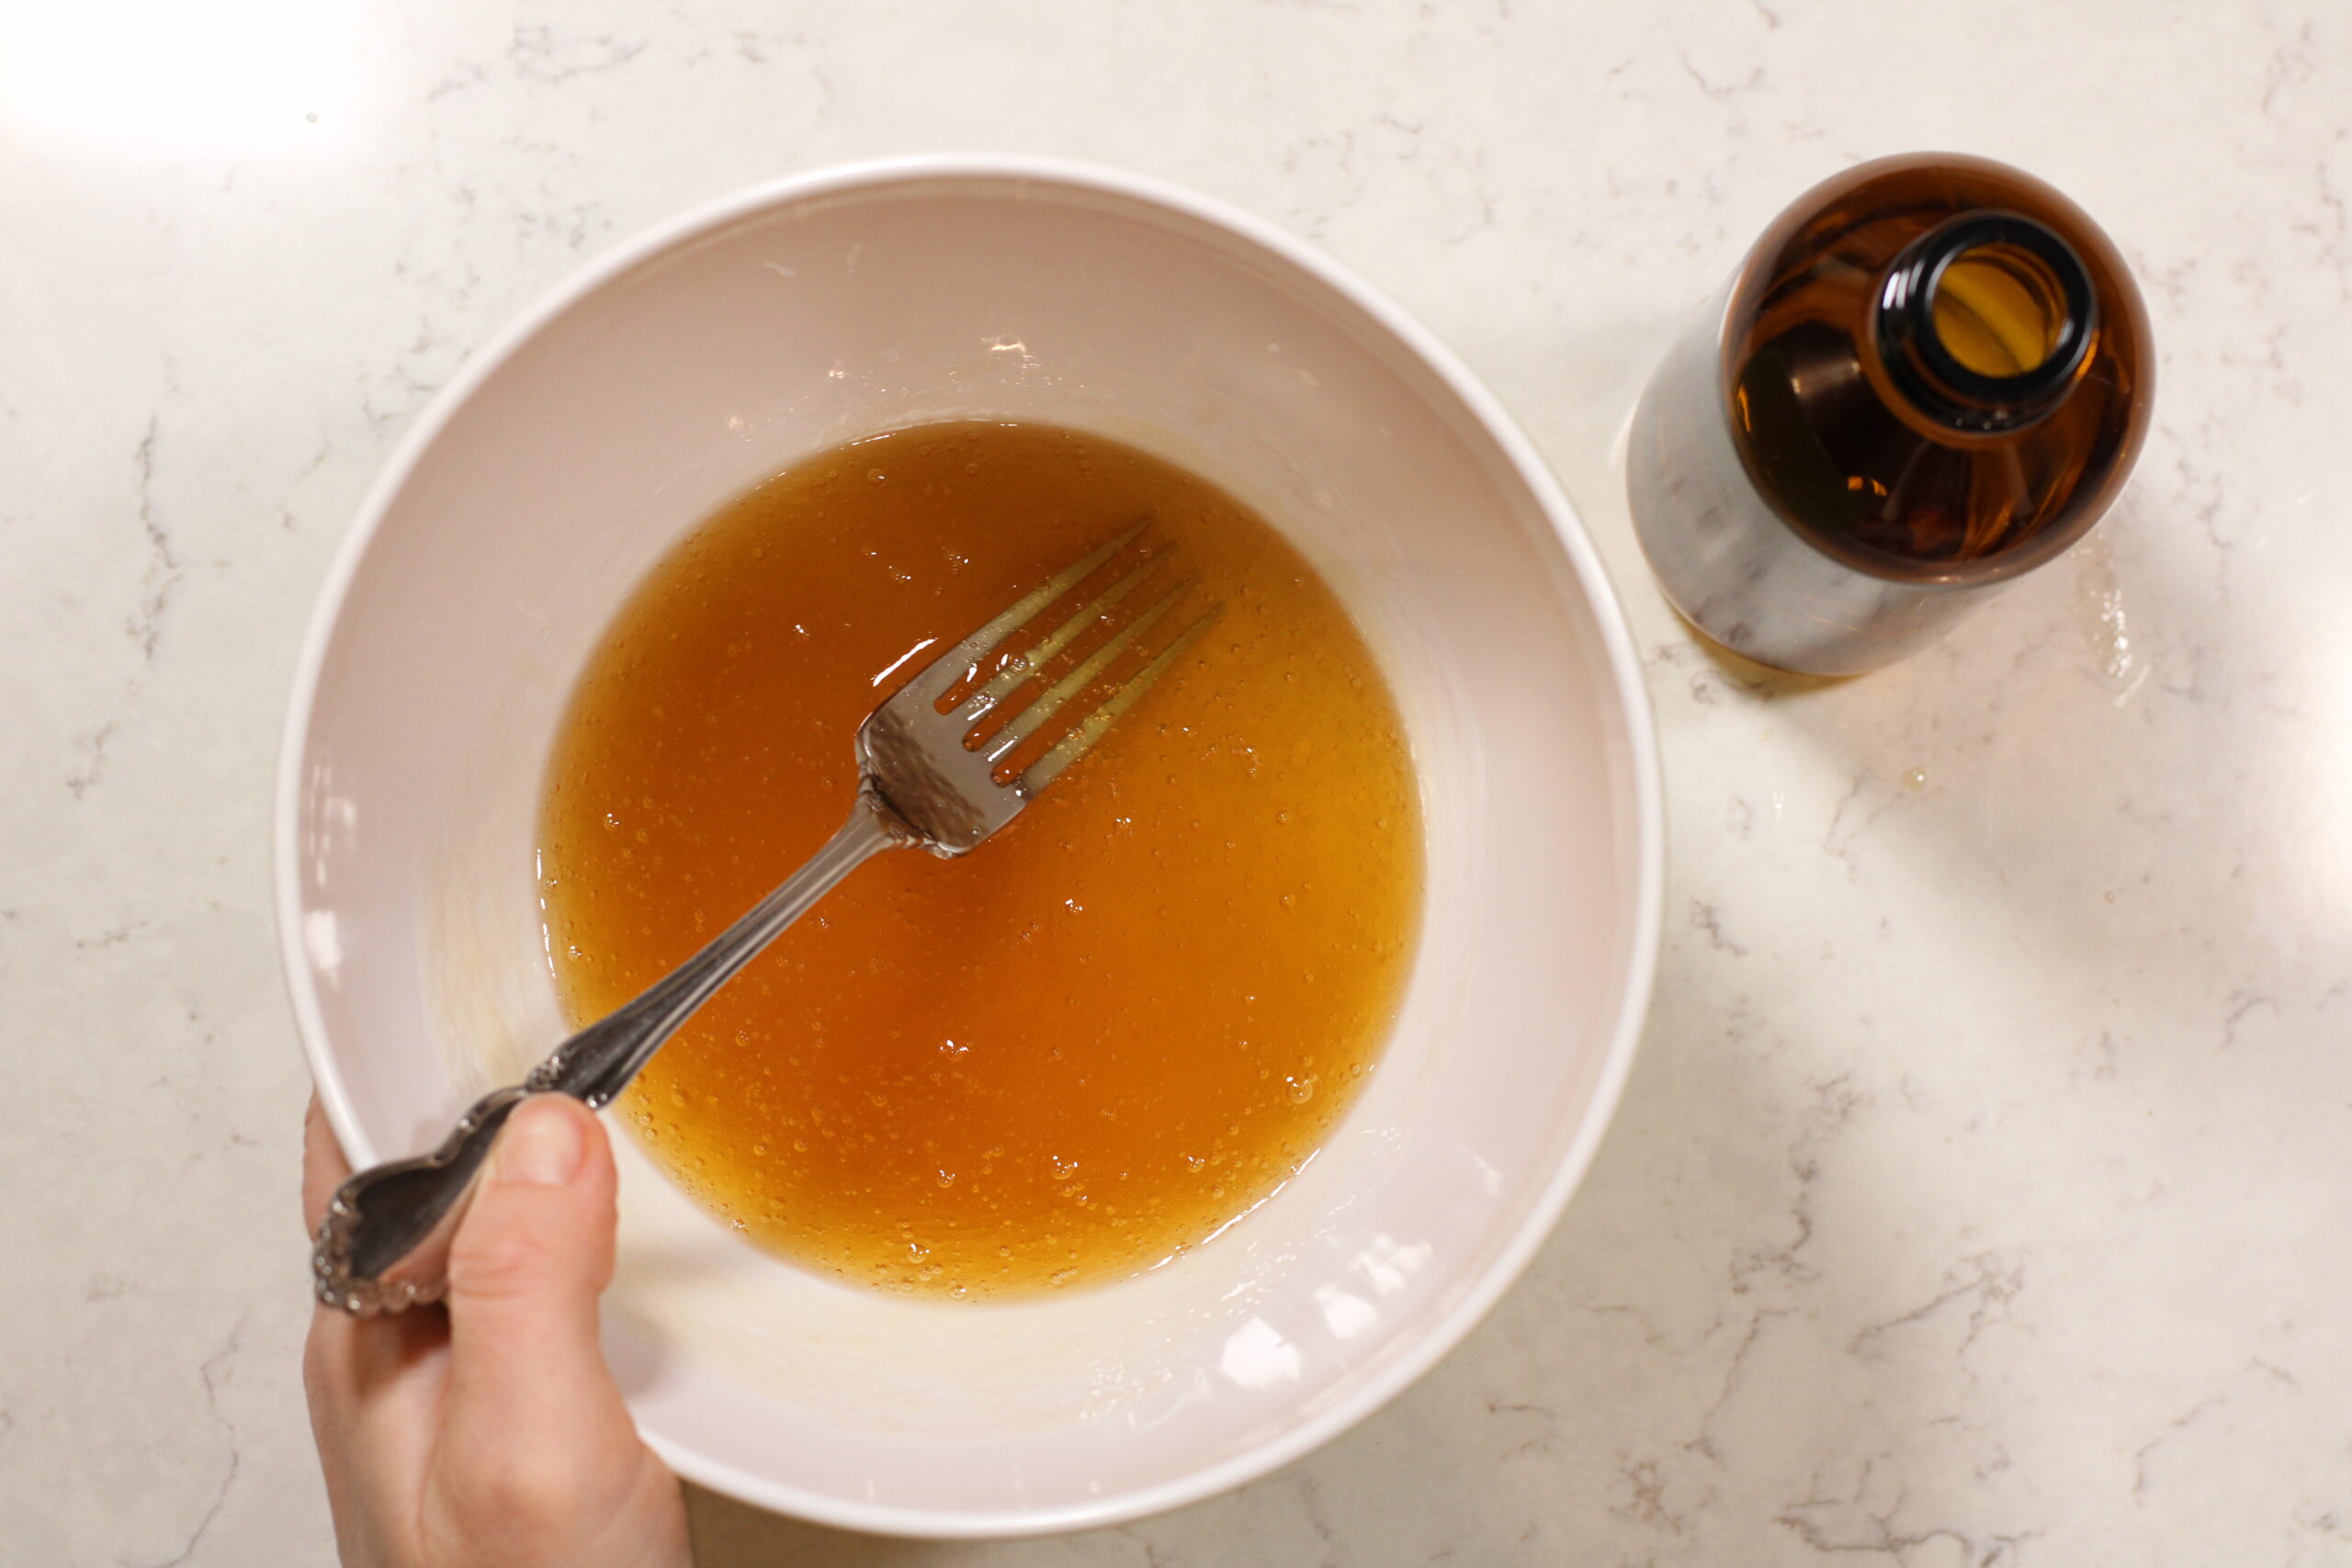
x,y
597,1063
384,1242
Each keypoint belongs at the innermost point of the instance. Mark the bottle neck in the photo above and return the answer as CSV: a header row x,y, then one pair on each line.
x,y
1983,322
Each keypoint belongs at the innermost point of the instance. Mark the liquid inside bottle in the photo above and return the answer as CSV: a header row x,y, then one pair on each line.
x,y
1931,374
1924,377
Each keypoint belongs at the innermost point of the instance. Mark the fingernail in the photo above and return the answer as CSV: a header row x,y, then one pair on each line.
x,y
540,1147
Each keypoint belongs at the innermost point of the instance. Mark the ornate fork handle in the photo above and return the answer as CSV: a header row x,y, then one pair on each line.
x,y
384,1243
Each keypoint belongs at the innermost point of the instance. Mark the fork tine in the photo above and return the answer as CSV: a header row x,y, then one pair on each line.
x,y
1090,729
942,673
1023,725
1025,667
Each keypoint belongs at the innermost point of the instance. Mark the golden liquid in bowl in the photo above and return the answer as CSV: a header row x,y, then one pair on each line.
x,y
1093,1041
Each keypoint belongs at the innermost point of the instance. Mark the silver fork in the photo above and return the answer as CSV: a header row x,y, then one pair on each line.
x,y
925,778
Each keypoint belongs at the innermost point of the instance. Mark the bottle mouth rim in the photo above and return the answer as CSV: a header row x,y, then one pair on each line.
x,y
1924,367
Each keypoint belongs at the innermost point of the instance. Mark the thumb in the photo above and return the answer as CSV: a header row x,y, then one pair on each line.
x,y
532,1254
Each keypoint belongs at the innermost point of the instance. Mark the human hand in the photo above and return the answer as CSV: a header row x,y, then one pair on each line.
x,y
489,1433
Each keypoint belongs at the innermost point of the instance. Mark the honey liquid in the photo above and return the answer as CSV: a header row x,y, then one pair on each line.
x,y
1086,1045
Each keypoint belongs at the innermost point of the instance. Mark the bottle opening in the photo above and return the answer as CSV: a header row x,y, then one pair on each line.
x,y
1984,319
1999,310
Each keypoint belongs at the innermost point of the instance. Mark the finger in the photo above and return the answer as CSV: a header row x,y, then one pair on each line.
x,y
361,1373
375,1389
373,1385
324,1167
349,1360
539,1461
532,1253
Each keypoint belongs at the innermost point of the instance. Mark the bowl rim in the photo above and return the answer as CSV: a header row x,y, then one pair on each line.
x,y
1624,669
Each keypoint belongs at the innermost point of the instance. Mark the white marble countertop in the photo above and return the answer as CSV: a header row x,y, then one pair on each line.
x,y
1974,1197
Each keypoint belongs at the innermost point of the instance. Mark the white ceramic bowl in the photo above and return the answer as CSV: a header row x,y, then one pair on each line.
x,y
704,356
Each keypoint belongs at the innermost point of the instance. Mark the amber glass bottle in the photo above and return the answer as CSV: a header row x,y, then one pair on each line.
x,y
1931,375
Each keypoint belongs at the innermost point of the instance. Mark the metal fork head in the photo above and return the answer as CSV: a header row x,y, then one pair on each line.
x,y
938,769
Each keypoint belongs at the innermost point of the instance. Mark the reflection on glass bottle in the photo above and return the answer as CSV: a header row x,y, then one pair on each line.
x,y
1931,375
